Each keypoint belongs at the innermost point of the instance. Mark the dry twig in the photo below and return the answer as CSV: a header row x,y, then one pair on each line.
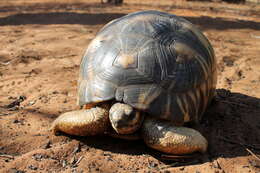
x,y
237,104
7,62
168,166
255,36
253,154
176,157
77,162
7,156
239,143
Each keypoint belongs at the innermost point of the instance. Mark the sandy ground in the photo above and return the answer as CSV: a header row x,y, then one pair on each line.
x,y
41,44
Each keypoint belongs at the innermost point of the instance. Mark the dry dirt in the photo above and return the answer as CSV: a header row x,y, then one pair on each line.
x,y
41,44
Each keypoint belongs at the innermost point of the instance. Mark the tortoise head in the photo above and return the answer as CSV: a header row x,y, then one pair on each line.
x,y
125,119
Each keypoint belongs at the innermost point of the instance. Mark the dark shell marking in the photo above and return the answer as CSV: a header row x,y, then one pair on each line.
x,y
153,61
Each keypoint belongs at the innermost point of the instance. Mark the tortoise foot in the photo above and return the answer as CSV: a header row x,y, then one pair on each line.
x,y
165,137
88,122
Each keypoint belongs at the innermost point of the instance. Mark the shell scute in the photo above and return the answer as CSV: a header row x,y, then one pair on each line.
x,y
153,61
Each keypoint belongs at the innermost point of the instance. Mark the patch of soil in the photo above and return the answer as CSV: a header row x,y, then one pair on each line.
x,y
41,44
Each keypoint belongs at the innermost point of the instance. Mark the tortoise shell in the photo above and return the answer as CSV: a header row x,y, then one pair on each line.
x,y
156,62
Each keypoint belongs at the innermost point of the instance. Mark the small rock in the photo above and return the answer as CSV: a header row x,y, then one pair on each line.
x,y
13,170
37,157
254,163
55,92
73,161
64,163
216,165
47,145
74,170
16,103
32,167
35,71
32,102
182,168
11,97
152,165
77,149
107,154
166,171
16,121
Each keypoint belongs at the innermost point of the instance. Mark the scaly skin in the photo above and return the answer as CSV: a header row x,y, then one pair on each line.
x,y
163,136
157,134
125,119
86,122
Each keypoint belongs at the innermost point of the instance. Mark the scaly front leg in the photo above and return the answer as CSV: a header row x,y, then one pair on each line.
x,y
85,122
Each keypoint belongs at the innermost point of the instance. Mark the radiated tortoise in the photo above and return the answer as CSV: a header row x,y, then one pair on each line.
x,y
145,73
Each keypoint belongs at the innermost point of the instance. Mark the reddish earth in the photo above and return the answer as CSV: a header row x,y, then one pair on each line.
x,y
41,44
